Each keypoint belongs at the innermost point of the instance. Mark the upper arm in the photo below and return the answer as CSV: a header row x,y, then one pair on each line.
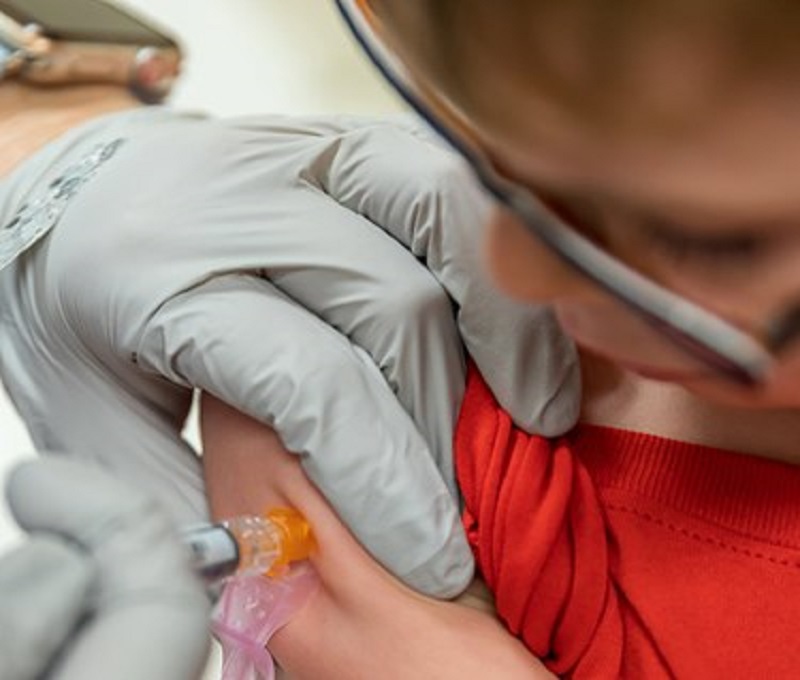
x,y
362,623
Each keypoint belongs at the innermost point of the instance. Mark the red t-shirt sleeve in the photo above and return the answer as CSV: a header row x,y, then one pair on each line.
x,y
619,554
538,532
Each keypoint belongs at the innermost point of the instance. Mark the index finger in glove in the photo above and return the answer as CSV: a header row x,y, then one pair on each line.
x,y
428,199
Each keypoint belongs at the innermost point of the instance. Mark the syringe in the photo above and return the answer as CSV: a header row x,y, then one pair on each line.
x,y
249,544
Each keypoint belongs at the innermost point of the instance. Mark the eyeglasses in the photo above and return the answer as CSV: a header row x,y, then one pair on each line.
x,y
706,338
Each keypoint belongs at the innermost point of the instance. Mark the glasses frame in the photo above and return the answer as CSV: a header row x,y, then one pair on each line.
x,y
707,338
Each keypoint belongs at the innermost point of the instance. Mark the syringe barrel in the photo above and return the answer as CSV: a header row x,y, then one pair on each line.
x,y
249,544
214,553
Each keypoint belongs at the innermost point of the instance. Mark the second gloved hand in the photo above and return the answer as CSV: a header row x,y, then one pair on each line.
x,y
103,589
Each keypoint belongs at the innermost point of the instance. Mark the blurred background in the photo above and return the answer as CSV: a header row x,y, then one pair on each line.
x,y
244,57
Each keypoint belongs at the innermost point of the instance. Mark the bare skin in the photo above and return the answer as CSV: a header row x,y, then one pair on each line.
x,y
31,117
619,398
363,623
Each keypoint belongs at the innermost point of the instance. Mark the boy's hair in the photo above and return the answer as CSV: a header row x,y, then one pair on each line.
x,y
595,59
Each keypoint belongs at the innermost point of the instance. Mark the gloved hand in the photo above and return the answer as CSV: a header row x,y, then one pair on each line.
x,y
152,293
101,589
247,264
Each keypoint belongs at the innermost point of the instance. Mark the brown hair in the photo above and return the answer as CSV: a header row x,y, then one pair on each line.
x,y
605,62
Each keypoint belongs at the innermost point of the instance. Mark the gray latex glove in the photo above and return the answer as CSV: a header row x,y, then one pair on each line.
x,y
192,288
102,589
247,263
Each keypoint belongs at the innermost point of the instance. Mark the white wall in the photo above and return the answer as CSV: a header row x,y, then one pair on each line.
x,y
14,444
269,55
246,56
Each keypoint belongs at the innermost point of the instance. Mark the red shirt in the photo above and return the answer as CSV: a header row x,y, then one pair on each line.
x,y
619,554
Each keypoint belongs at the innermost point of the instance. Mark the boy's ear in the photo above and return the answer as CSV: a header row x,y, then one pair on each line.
x,y
523,266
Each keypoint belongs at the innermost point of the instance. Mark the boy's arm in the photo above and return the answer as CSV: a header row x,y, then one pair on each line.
x,y
362,622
